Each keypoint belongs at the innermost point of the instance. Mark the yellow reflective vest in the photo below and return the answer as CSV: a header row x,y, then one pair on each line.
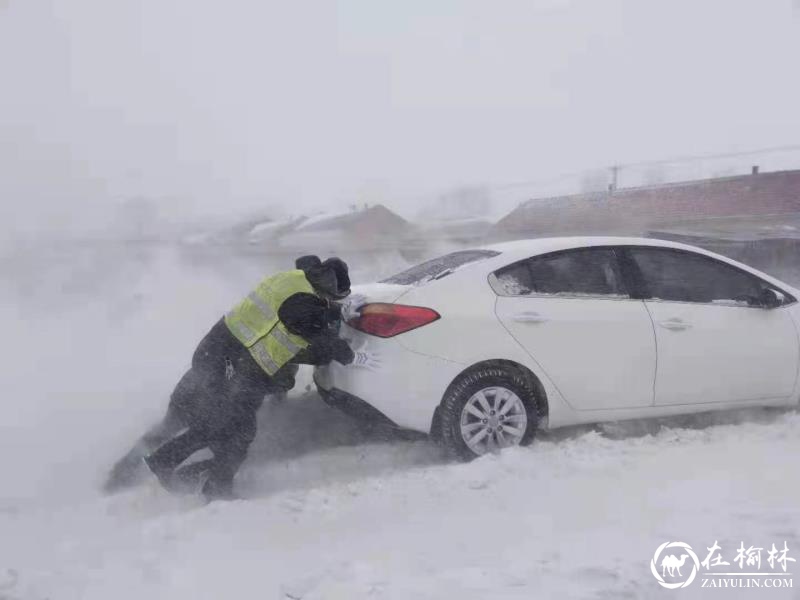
x,y
255,323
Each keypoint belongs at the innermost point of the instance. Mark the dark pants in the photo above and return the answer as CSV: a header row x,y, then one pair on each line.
x,y
213,406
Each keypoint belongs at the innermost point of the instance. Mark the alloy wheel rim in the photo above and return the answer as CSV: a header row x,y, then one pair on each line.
x,y
492,419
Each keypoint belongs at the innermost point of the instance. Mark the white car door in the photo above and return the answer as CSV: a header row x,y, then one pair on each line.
x,y
572,314
715,341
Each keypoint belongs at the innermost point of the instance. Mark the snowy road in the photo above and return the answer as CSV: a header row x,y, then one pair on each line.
x,y
573,517
329,514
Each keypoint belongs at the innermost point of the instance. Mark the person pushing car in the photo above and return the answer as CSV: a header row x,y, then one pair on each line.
x,y
290,318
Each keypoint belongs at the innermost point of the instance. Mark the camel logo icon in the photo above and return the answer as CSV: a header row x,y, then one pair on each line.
x,y
670,568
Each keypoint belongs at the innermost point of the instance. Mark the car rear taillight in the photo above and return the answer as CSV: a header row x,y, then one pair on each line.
x,y
388,320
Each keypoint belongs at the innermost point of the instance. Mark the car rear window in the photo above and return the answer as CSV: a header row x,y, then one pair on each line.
x,y
436,267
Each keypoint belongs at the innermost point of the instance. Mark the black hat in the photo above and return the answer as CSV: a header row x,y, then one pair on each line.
x,y
339,267
306,262
330,277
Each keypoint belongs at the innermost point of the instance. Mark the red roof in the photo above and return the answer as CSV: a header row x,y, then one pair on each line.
x,y
633,208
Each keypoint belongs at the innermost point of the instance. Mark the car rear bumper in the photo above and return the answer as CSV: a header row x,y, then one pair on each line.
x,y
353,406
406,388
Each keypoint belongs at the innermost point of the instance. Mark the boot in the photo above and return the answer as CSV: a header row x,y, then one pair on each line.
x,y
215,489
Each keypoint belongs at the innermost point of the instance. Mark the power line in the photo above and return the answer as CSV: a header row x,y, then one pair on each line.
x,y
647,163
665,161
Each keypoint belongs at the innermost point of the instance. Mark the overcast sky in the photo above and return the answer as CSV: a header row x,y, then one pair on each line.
x,y
217,107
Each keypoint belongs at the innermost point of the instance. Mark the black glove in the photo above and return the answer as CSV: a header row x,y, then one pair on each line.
x,y
341,352
334,313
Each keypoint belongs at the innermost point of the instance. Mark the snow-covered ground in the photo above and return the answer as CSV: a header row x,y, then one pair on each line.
x,y
329,513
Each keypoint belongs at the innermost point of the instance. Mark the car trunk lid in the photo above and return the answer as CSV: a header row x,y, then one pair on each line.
x,y
380,292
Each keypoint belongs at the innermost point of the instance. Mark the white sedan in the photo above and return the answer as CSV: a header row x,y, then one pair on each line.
x,y
480,348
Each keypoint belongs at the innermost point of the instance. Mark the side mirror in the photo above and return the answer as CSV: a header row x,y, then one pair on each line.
x,y
771,298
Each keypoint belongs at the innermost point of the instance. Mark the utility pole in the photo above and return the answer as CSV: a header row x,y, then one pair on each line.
x,y
612,187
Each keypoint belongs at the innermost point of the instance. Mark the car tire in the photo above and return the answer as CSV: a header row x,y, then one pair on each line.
x,y
481,389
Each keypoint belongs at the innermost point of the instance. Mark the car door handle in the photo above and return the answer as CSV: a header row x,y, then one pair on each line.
x,y
529,317
674,324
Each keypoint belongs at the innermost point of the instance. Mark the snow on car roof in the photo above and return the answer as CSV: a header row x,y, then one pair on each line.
x,y
530,247
558,243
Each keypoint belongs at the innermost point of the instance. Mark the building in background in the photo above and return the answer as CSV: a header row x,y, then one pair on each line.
x,y
759,204
754,218
369,228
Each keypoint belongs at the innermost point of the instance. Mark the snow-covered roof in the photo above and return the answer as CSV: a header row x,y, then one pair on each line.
x,y
271,229
323,218
374,220
264,227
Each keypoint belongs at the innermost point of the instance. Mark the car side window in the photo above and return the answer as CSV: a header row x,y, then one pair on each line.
x,y
681,276
583,272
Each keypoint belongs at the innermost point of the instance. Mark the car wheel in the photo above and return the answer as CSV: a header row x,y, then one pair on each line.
x,y
487,410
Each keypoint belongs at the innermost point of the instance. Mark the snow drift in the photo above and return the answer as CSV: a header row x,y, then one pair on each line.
x,y
329,511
